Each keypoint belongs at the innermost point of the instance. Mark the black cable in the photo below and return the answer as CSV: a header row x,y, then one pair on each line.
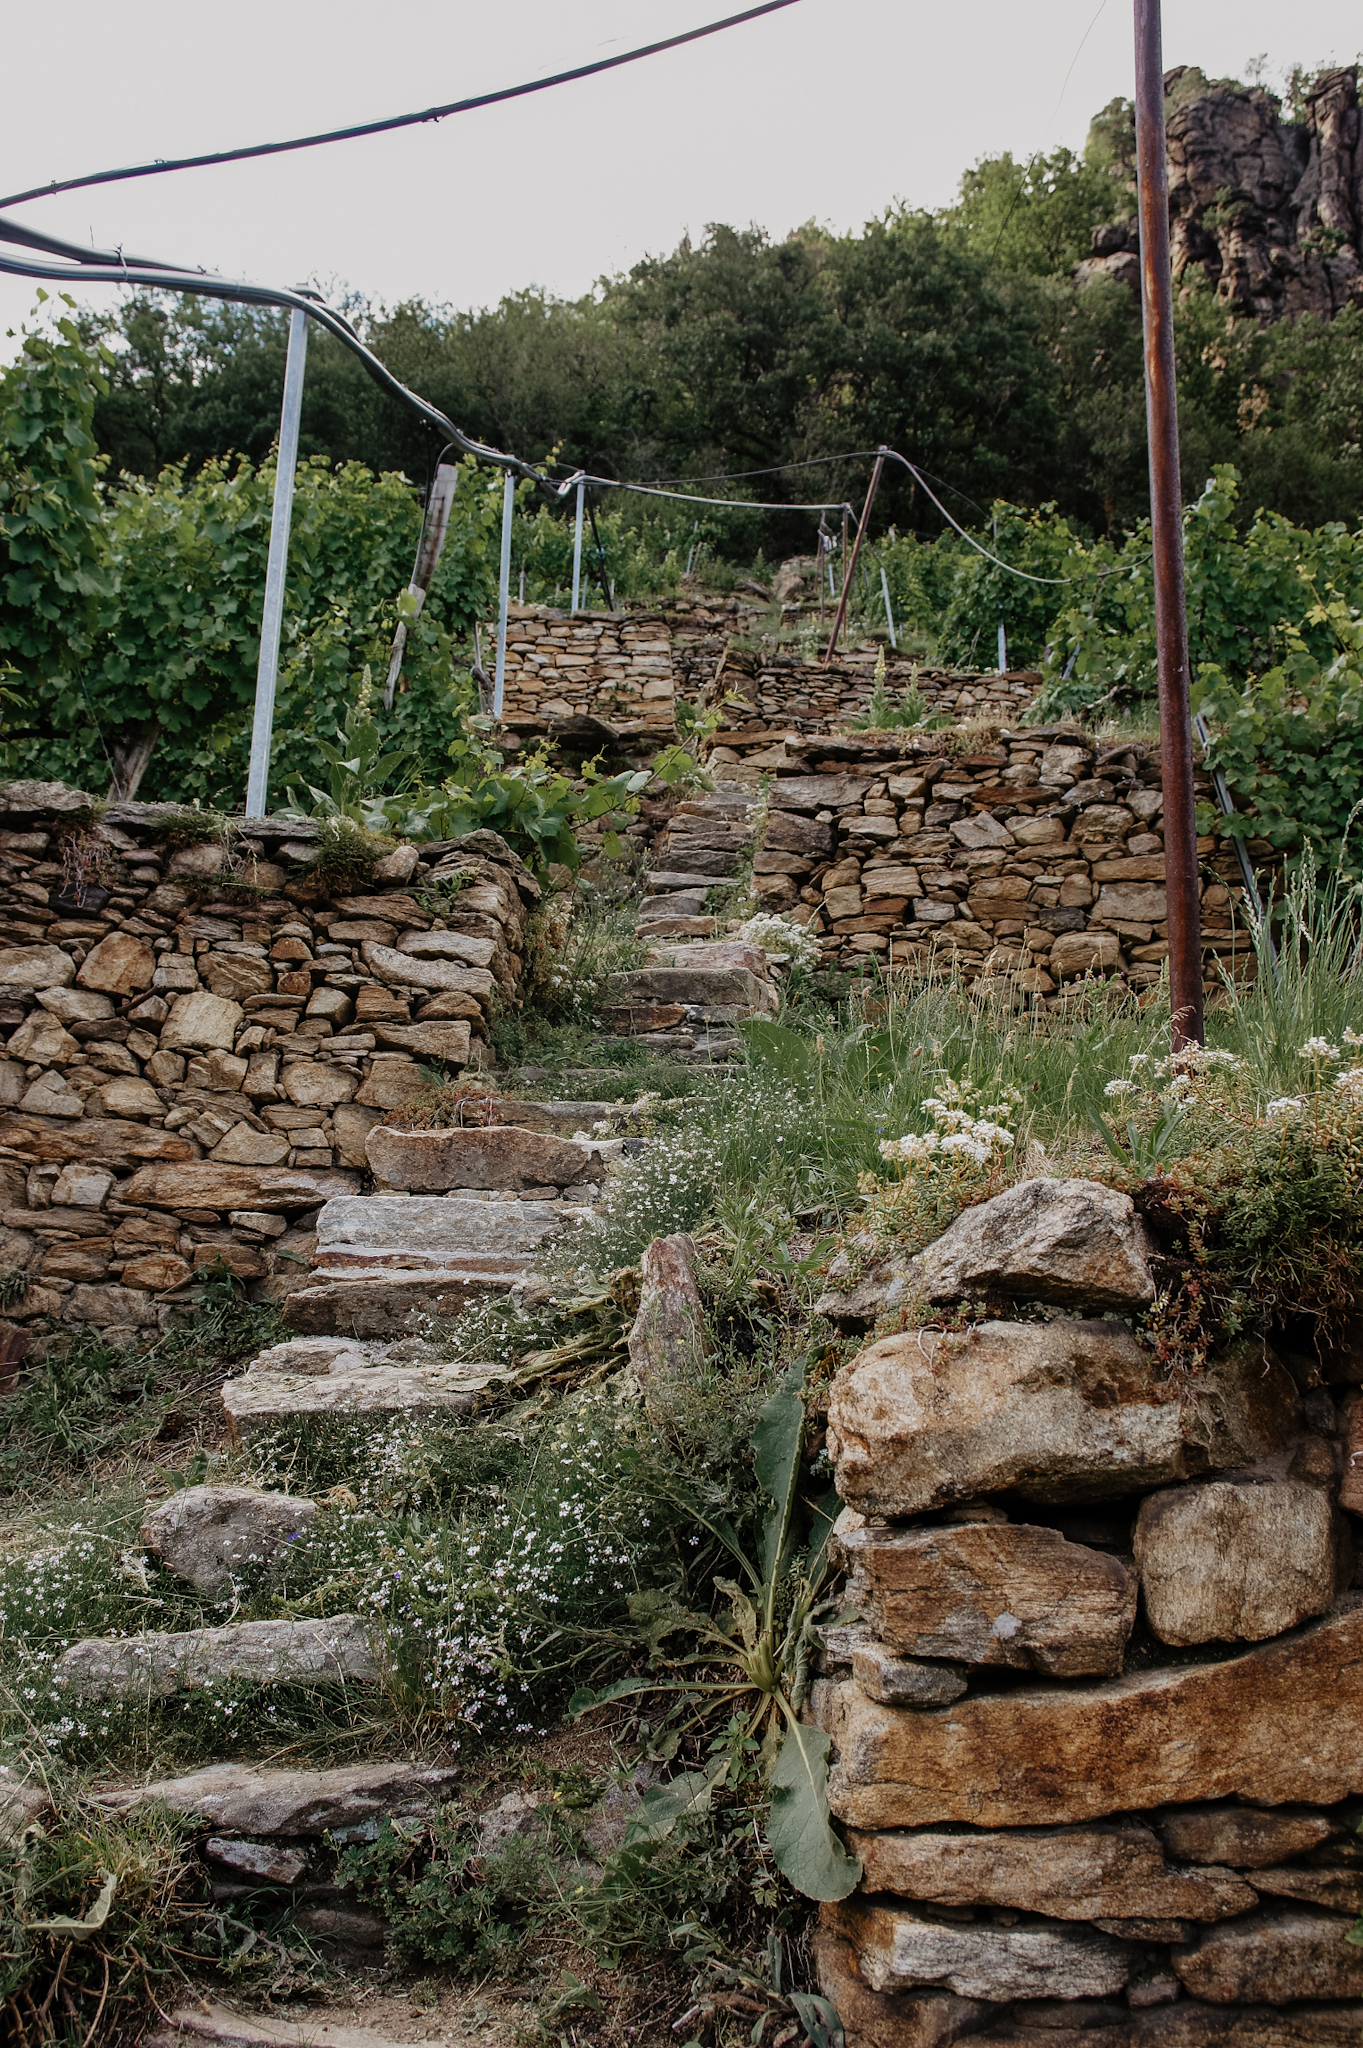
x,y
485,99
171,278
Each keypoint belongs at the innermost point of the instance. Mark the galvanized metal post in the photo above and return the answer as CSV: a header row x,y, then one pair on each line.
x,y
1003,649
889,614
1166,517
577,550
504,593
272,613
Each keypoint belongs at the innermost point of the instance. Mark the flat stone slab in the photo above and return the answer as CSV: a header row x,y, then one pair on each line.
x,y
217,2027
1086,1873
435,1232
252,1800
503,1157
267,1393
897,1950
1274,1957
993,1593
156,1666
1062,1411
1279,1724
1245,1837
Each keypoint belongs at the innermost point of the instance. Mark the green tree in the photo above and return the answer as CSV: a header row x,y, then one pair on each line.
x,y
52,574
1036,217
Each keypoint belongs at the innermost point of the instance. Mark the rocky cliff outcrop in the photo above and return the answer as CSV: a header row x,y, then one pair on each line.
x,y
1271,210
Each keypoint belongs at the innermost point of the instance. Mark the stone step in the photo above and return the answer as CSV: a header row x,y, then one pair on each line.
x,y
338,1376
218,2027
255,1800
157,1666
378,1257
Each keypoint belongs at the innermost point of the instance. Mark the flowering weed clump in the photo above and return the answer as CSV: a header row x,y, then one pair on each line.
x,y
1256,1205
779,936
963,1158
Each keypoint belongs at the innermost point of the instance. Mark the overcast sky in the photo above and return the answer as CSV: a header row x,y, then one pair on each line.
x,y
821,111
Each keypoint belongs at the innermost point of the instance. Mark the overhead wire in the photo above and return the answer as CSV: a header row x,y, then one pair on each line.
x,y
161,165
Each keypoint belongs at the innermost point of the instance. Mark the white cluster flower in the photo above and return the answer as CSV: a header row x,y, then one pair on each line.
x,y
773,934
1119,1087
1285,1105
1350,1083
1320,1049
960,1132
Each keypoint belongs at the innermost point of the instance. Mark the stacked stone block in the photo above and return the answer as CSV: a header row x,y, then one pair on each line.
x,y
199,1038
612,666
1032,864
1097,1702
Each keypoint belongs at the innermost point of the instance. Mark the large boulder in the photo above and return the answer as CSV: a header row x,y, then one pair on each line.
x,y
210,1535
1073,1242
1276,1725
1062,1411
993,1593
1224,1560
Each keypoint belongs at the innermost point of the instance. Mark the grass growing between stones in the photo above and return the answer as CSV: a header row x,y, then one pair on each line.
x,y
502,1560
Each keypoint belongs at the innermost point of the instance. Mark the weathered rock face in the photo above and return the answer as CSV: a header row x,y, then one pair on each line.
x,y
211,1535
1047,1757
245,1799
990,1593
1246,1838
1064,1411
1273,1958
899,1951
1065,1241
501,1158
1086,1873
331,1652
1223,1561
667,1339
877,2019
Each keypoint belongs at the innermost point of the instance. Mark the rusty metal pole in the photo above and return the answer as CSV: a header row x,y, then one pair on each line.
x,y
1166,519
849,565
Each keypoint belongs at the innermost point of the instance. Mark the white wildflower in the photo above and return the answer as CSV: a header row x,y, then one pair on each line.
x,y
1320,1049
1119,1087
1286,1105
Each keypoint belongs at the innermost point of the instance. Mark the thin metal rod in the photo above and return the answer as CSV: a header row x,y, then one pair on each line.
x,y
1247,875
1003,649
577,550
503,593
850,565
272,614
1166,519
889,613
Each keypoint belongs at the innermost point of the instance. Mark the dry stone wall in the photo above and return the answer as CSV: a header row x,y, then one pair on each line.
x,y
612,666
627,669
1034,861
199,1036
1097,1715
